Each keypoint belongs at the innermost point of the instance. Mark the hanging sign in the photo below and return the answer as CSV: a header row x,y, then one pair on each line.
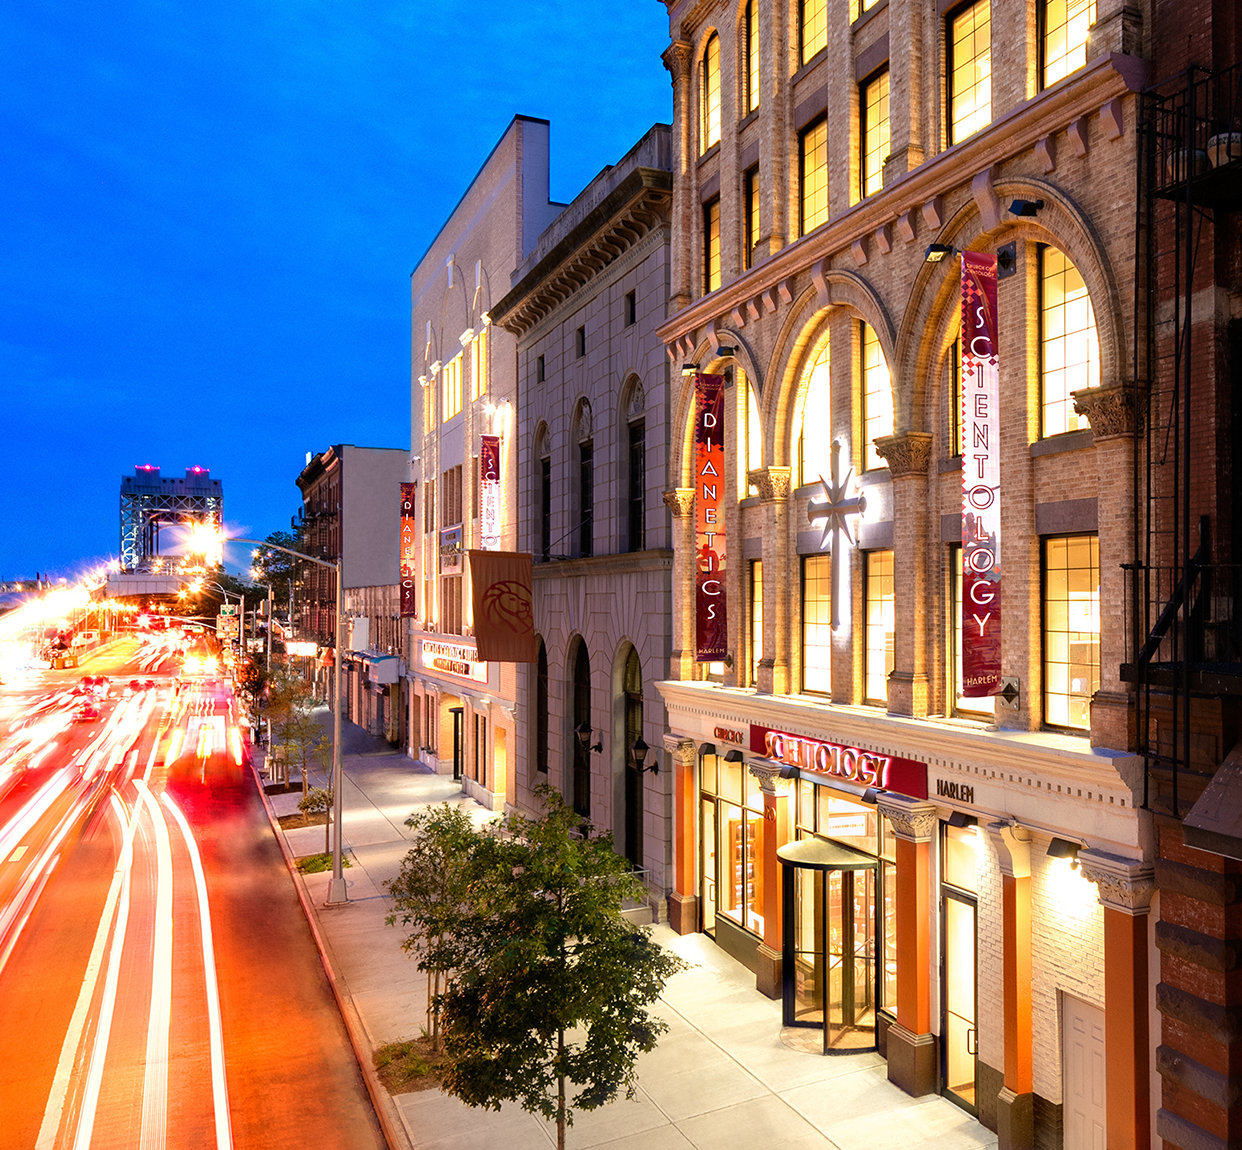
x,y
489,484
711,630
406,551
981,562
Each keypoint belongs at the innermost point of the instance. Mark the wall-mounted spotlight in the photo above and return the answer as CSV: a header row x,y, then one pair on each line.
x,y
583,731
962,819
638,757
1064,849
733,755
726,351
689,368
707,749
1025,207
937,252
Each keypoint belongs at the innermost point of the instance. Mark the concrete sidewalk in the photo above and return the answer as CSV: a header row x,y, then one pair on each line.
x,y
720,1078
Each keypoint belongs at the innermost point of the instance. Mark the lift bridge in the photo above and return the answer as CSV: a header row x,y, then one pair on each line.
x,y
149,501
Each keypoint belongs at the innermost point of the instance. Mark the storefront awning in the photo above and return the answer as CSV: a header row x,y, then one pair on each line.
x,y
1214,823
381,669
820,854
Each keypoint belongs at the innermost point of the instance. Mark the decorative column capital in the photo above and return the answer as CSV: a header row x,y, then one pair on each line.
x,y
1124,884
773,483
905,454
681,750
1112,411
680,501
771,782
912,819
677,57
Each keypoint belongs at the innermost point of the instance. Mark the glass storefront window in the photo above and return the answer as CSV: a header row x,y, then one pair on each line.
x,y
732,829
959,865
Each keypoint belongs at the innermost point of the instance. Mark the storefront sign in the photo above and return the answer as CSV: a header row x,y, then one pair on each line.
x,y
450,551
729,735
981,562
454,659
838,761
711,629
489,481
959,792
406,551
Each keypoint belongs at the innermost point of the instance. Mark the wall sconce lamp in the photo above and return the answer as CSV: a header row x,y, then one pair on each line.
x,y
707,749
733,755
638,758
583,731
1025,207
1064,849
726,351
689,368
871,794
937,252
962,819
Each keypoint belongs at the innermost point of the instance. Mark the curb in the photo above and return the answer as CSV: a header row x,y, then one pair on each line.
x,y
395,1132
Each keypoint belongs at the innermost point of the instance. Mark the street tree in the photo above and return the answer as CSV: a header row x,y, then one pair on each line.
x,y
295,728
318,801
276,569
548,998
431,892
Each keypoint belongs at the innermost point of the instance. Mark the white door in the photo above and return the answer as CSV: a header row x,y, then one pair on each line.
x,y
1082,1073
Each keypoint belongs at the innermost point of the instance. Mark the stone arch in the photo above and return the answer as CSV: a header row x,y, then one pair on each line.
x,y
627,721
681,427
802,334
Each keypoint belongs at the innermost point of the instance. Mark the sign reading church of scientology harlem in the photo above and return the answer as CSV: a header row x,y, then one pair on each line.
x,y
981,561
406,552
711,631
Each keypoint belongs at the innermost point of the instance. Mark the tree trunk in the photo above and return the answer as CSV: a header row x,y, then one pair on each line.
x,y
326,828
560,1092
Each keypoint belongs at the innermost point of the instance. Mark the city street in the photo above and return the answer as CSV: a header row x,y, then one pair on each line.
x,y
159,984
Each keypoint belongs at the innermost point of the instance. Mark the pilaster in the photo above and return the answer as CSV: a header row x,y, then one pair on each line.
x,y
680,501
683,903
776,833
678,58
774,489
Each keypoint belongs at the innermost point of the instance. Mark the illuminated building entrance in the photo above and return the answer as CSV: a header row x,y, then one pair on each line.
x,y
830,958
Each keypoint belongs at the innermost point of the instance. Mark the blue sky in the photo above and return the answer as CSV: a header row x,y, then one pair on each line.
x,y
210,216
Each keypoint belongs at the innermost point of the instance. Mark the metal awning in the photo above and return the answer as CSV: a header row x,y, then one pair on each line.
x,y
820,854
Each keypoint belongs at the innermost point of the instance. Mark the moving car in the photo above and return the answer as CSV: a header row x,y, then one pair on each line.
x,y
87,711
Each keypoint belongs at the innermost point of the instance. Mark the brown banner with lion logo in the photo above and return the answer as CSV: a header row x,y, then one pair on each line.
x,y
504,619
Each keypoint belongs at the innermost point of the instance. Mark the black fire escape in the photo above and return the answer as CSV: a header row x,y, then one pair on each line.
x,y
1185,634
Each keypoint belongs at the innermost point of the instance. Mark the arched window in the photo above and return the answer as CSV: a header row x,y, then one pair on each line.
x,y
877,396
632,686
1069,355
814,428
582,733
709,95
750,40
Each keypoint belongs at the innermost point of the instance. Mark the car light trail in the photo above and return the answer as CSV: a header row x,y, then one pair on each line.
x,y
224,1131
155,1079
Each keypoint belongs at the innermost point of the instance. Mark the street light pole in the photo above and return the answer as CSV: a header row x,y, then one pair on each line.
x,y
337,891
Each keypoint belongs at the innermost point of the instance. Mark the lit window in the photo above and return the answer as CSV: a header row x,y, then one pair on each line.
x,y
756,618
750,28
954,371
711,246
1071,629
1069,346
1066,25
478,366
877,390
880,625
858,7
970,70
450,385
874,137
751,434
817,624
812,27
429,406
709,95
815,426
750,215
813,174
985,705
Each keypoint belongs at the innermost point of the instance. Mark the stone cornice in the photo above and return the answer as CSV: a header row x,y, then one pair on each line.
x,y
1043,115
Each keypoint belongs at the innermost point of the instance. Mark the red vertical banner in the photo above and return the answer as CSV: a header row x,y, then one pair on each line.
x,y
711,628
489,487
408,559
981,561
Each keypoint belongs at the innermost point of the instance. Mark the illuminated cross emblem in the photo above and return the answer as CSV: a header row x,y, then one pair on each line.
x,y
834,509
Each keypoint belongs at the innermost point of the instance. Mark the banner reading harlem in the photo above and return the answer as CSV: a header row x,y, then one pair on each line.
x,y
406,551
711,627
981,559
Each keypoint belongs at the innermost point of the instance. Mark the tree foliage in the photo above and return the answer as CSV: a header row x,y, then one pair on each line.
x,y
318,801
276,569
548,990
290,707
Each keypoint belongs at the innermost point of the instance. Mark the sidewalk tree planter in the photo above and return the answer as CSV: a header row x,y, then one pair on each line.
x,y
548,993
318,801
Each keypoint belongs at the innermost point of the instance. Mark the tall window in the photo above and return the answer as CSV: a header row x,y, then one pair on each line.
x,y
1063,36
877,393
429,406
582,722
750,215
981,706
750,32
711,245
1071,629
541,710
450,496
631,308
632,689
478,365
450,385
812,28
450,605
1069,346
815,425
817,624
545,506
636,504
586,497
813,176
429,506
954,370
874,137
756,618
750,432
709,95
970,70
880,626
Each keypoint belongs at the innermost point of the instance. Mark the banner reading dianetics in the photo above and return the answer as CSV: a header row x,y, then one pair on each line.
x,y
407,551
489,485
981,562
711,630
